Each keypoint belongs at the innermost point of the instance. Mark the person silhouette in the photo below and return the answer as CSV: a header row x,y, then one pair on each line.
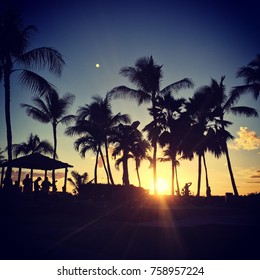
x,y
208,192
27,184
186,189
36,185
8,183
46,185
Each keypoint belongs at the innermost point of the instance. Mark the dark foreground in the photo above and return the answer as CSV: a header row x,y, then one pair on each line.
x,y
61,227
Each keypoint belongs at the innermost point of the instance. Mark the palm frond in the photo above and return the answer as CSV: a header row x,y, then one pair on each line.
x,y
35,82
238,91
45,147
120,118
67,119
44,57
244,111
248,73
182,84
129,93
35,113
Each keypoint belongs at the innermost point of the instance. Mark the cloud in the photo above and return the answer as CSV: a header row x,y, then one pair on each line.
x,y
58,174
246,140
256,175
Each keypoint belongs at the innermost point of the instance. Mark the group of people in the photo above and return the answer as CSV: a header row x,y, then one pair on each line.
x,y
44,187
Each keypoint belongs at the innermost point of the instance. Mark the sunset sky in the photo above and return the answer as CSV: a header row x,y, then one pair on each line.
x,y
195,39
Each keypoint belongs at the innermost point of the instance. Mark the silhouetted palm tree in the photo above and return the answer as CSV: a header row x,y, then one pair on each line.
x,y
251,75
15,56
170,155
94,125
89,139
78,180
126,138
140,152
147,76
33,145
53,109
224,104
199,109
173,130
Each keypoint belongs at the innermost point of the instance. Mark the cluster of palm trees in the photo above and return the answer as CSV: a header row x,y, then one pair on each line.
x,y
184,128
188,127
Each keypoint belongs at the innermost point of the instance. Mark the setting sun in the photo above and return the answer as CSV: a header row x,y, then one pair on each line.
x,y
163,187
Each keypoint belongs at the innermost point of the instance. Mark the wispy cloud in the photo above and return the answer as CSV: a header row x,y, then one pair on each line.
x,y
257,175
247,140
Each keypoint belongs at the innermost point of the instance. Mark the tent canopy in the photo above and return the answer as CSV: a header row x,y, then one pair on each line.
x,y
37,161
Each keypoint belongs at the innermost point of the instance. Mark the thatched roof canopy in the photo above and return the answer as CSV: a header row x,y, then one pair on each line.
x,y
37,161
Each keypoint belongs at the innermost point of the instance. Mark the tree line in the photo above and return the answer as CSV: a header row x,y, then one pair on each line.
x,y
183,128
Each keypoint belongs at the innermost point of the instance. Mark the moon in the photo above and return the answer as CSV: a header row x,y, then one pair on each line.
x,y
97,65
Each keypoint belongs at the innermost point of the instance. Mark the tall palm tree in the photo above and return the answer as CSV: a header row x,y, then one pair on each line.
x,y
147,76
140,151
94,124
15,56
89,140
251,75
33,145
126,138
170,155
224,104
199,109
53,109
174,127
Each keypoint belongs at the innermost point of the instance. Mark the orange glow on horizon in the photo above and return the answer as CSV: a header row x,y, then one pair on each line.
x,y
163,187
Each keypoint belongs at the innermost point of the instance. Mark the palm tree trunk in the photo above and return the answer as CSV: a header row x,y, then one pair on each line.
x,y
138,176
155,137
8,121
173,169
108,164
206,171
125,169
154,167
104,164
54,129
96,165
199,175
232,178
177,181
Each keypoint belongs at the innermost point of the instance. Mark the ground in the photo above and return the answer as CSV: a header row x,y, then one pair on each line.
x,y
59,227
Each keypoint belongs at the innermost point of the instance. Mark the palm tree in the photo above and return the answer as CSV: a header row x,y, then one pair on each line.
x,y
126,138
15,56
251,75
33,145
199,109
140,152
147,76
223,104
170,155
94,125
53,109
89,139
78,180
171,120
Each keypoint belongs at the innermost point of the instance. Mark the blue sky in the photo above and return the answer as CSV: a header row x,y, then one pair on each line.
x,y
196,39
